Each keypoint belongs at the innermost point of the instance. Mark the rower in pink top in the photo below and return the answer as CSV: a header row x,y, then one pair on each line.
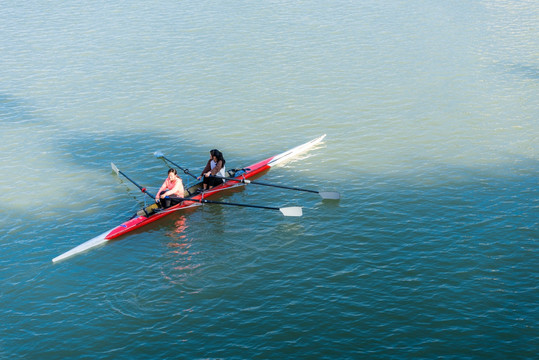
x,y
171,189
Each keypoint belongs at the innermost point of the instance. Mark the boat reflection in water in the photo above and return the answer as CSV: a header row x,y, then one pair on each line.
x,y
179,242
180,264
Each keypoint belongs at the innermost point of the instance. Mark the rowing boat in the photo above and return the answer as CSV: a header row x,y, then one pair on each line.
x,y
193,198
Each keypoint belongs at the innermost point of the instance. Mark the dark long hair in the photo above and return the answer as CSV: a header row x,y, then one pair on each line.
x,y
218,155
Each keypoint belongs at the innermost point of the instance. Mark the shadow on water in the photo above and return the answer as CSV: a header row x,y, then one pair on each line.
x,y
521,70
132,151
526,71
17,112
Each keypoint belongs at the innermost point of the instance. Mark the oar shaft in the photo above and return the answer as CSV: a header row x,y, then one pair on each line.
x,y
246,181
132,181
230,203
178,166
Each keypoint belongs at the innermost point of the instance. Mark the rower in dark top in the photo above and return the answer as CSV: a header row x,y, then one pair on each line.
x,y
215,168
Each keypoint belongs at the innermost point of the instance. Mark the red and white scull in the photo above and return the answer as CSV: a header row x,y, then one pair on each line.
x,y
150,214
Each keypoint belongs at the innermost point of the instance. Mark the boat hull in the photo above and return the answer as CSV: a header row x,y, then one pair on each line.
x,y
149,216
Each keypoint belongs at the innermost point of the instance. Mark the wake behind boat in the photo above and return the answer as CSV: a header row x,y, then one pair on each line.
x,y
193,197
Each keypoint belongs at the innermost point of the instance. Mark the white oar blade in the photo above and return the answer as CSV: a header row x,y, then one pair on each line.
x,y
330,195
158,154
292,211
98,240
115,169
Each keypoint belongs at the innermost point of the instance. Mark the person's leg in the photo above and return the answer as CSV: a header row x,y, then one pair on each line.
x,y
215,181
174,200
164,203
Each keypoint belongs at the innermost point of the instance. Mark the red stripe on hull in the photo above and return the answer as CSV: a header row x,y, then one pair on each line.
x,y
140,221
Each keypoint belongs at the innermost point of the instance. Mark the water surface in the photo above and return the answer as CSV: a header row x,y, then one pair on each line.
x,y
430,111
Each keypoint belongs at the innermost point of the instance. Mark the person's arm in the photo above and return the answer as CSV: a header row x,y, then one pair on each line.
x,y
206,169
217,168
163,187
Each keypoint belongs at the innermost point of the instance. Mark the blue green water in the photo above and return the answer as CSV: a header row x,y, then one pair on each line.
x,y
431,114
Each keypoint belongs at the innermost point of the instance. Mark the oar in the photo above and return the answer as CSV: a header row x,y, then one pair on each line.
x,y
118,172
160,155
286,211
326,195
